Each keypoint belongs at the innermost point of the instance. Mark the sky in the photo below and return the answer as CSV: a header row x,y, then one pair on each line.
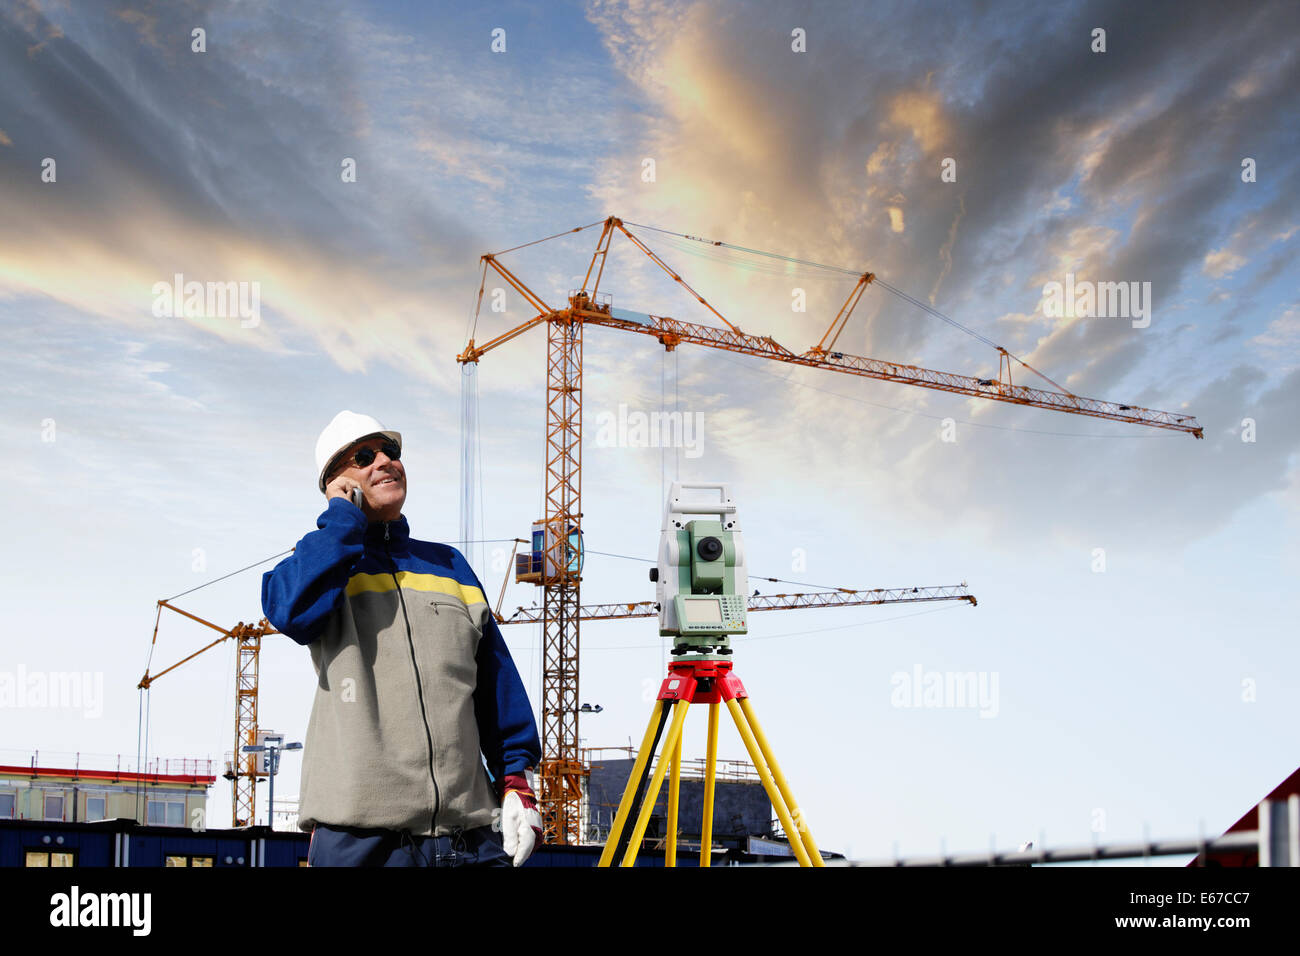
x,y
346,164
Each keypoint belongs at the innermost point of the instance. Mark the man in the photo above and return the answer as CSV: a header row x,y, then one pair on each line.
x,y
416,688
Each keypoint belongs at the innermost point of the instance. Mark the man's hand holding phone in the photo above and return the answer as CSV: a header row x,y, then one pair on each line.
x,y
345,487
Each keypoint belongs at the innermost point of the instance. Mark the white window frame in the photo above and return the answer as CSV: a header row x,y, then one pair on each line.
x,y
166,803
96,795
46,797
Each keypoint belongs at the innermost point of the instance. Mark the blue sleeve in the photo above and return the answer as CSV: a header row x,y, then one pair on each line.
x,y
304,589
506,728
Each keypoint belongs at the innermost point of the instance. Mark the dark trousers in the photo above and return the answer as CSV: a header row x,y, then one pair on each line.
x,y
350,846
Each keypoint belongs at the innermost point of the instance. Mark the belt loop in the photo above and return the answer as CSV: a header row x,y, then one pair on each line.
x,y
408,843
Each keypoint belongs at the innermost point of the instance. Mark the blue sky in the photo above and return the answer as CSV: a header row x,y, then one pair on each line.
x,y
1159,691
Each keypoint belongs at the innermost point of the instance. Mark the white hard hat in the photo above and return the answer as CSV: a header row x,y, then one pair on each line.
x,y
347,429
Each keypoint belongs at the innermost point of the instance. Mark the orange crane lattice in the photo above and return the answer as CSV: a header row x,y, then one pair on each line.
x,y
243,767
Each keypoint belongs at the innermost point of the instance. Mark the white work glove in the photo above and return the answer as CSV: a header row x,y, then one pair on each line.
x,y
521,824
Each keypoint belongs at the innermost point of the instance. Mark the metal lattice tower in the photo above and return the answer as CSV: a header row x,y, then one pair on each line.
x,y
242,765
561,769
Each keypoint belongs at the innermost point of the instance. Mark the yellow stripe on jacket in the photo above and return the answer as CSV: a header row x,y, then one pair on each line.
x,y
413,581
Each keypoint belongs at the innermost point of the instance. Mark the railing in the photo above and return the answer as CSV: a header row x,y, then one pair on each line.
x,y
72,760
733,771
600,302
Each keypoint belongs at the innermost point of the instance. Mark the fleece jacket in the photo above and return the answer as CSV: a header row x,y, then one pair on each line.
x,y
419,710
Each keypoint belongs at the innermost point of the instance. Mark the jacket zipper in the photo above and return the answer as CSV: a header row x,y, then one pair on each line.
x,y
419,685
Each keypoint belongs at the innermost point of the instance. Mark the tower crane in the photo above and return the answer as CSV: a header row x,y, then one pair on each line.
x,y
558,542
243,767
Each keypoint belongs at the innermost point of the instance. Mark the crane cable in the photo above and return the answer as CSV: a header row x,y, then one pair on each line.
x,y
473,323
929,309
146,698
224,576
476,303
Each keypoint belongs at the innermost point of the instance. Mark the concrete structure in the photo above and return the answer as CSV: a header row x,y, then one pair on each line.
x,y
741,808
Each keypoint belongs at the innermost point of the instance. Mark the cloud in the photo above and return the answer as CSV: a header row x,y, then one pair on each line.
x,y
1257,231
1280,342
1221,262
1128,494
1062,166
228,168
146,27
922,114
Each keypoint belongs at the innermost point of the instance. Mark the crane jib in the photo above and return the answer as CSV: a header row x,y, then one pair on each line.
x,y
995,390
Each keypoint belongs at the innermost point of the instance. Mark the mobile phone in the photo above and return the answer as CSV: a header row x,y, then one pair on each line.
x,y
357,496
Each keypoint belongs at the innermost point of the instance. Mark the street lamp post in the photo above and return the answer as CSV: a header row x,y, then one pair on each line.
x,y
272,751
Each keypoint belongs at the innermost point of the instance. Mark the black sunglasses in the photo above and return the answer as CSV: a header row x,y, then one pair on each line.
x,y
364,456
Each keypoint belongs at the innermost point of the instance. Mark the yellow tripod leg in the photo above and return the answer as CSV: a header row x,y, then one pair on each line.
x,y
801,831
760,764
674,783
656,781
710,767
629,792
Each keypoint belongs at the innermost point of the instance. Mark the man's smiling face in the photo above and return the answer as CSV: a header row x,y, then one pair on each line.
x,y
383,481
